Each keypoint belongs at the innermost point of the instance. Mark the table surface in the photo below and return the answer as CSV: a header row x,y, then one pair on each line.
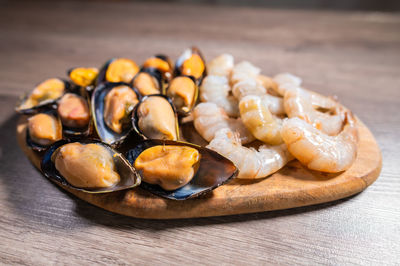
x,y
355,56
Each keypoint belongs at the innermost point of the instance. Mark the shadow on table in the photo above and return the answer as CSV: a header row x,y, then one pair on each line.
x,y
36,200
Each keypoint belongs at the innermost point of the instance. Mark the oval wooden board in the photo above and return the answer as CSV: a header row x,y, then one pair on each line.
x,y
293,186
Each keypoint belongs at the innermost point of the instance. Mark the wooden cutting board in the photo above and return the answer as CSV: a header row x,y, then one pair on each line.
x,y
293,186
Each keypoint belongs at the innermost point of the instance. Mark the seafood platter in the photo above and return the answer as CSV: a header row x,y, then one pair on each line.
x,y
192,138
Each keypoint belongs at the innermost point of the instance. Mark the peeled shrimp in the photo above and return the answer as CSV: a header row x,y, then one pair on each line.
x,y
286,81
221,65
252,164
209,118
259,120
248,86
301,103
274,103
216,89
319,151
244,70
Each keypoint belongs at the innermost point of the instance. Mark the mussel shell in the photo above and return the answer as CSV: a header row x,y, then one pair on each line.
x,y
129,177
195,97
135,118
214,170
152,72
77,133
106,134
179,62
43,106
36,146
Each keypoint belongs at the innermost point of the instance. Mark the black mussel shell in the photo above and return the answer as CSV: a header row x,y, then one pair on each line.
x,y
36,146
155,74
43,106
102,73
195,97
214,170
135,118
106,134
186,55
77,133
129,177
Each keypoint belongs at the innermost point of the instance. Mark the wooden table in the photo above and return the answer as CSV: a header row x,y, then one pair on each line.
x,y
355,56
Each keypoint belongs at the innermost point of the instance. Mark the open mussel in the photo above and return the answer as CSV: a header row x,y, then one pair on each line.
x,y
162,63
74,113
43,130
111,105
148,81
118,70
89,166
155,117
191,63
183,92
83,79
179,170
43,96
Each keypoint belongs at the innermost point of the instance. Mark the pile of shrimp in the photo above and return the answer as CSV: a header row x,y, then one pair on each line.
x,y
240,107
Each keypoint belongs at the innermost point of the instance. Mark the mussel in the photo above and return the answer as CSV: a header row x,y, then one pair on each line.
x,y
148,81
162,63
118,70
89,166
179,174
75,115
155,117
83,78
111,105
43,96
183,92
191,63
43,130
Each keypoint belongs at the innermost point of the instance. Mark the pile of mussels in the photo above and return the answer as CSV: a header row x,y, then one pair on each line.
x,y
83,128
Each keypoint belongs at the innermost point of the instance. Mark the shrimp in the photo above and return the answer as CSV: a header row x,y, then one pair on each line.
x,y
216,89
244,70
209,118
286,81
259,120
319,151
221,65
248,86
274,103
301,103
252,164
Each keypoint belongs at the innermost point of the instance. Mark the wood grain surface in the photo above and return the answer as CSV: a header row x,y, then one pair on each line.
x,y
292,186
355,56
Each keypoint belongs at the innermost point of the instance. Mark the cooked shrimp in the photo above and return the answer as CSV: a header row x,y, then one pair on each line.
x,y
248,86
286,81
221,65
252,164
244,70
319,151
259,120
299,103
274,103
216,89
208,118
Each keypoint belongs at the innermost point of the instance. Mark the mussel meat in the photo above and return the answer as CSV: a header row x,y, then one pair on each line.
x,y
183,92
191,63
118,70
90,166
154,117
148,81
83,77
43,130
43,95
112,104
74,113
179,170
162,63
